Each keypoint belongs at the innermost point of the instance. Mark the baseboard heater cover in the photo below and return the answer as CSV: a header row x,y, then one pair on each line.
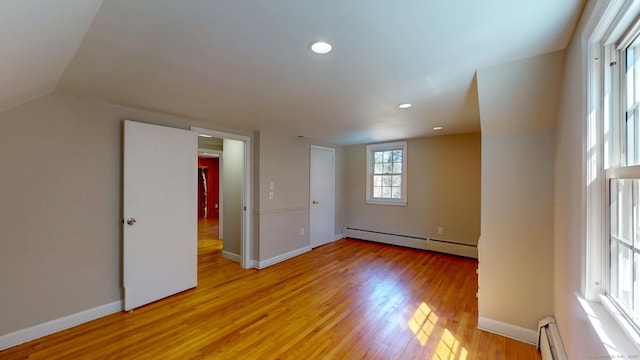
x,y
416,242
549,341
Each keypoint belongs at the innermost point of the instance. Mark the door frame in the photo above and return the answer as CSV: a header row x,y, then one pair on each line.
x,y
246,218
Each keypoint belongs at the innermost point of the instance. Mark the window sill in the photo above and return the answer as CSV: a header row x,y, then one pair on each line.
x,y
386,202
617,342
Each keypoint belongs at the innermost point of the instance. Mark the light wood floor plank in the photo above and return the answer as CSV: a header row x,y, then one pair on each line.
x,y
346,300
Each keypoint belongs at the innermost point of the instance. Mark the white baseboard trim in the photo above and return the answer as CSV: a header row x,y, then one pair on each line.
x,y
386,238
53,326
276,259
338,237
511,331
466,250
230,256
416,242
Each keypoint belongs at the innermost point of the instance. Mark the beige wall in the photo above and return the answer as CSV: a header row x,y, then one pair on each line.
x,y
443,190
60,241
284,160
232,170
518,106
580,341
60,195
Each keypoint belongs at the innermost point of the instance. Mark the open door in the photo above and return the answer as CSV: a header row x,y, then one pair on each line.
x,y
160,200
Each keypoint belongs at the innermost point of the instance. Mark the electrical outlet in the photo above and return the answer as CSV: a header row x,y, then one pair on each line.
x,y
270,195
440,230
301,231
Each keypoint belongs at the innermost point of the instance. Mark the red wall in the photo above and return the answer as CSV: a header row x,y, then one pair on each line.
x,y
213,178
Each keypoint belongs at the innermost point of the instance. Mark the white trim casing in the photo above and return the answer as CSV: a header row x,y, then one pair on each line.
x,y
231,256
511,331
280,258
53,326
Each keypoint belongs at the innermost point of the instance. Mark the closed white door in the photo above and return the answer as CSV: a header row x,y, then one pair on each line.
x,y
160,205
322,193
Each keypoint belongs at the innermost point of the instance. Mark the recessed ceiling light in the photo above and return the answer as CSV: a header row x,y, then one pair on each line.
x,y
404,106
320,47
438,128
205,135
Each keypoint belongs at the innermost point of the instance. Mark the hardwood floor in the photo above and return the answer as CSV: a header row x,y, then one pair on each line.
x,y
208,228
346,300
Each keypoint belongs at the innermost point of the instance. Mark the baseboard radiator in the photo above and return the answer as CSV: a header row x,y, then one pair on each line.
x,y
416,242
549,341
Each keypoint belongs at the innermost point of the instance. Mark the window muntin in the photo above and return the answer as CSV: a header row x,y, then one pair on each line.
x,y
386,173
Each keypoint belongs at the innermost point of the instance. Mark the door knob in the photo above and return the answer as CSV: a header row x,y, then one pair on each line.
x,y
131,221
315,202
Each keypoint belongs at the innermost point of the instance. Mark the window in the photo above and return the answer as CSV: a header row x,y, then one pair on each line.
x,y
623,180
613,174
387,173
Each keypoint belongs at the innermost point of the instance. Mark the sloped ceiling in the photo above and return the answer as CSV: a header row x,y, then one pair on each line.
x,y
37,41
246,64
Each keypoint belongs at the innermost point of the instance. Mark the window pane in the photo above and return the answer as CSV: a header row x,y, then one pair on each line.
x,y
614,272
377,180
629,77
613,208
636,286
632,127
397,168
625,275
377,192
396,193
388,156
626,210
636,213
632,147
397,156
396,180
621,206
386,180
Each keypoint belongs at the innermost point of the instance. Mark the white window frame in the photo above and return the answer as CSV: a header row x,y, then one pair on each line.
x,y
605,151
371,148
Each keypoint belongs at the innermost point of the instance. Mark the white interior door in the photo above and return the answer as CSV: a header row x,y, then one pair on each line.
x,y
160,205
322,193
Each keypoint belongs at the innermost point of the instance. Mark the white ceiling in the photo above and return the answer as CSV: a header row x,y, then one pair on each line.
x,y
245,64
37,41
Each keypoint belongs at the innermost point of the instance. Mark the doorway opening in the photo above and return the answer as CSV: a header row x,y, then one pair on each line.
x,y
234,188
209,150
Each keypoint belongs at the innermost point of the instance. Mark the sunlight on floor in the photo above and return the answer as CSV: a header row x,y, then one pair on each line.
x,y
422,324
449,348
